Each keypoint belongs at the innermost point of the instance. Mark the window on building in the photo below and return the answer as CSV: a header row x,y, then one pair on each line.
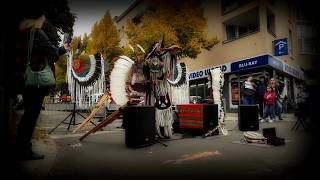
x,y
290,10
202,90
290,44
308,39
272,2
271,22
199,88
302,14
137,19
232,32
121,32
231,5
307,32
242,25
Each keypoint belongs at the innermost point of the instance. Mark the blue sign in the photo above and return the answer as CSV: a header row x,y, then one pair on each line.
x,y
280,47
196,75
275,63
249,63
225,68
293,71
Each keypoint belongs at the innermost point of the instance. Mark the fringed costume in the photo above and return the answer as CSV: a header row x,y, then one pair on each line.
x,y
161,78
217,89
86,74
159,70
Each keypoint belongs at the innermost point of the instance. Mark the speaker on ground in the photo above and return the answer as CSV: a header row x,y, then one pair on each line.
x,y
139,124
248,117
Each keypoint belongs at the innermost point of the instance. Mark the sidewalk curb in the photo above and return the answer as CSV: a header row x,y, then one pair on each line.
x,y
40,169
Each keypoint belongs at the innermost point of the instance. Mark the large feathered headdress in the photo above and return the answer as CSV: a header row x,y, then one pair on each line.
x,y
155,46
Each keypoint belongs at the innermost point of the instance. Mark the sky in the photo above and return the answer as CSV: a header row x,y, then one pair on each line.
x,y
90,11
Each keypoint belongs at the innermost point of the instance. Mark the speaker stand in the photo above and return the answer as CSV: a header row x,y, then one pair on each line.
x,y
158,141
72,114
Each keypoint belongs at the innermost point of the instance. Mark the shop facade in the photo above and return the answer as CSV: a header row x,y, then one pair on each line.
x,y
237,71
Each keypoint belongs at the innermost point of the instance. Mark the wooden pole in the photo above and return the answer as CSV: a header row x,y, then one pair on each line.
x,y
106,121
94,111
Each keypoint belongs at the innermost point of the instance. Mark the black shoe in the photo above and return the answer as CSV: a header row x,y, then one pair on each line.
x,y
280,118
30,156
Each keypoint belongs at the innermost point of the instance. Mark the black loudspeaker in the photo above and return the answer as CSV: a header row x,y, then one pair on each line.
x,y
198,117
139,124
210,117
248,117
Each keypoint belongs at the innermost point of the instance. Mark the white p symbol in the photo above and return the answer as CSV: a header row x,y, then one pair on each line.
x,y
281,45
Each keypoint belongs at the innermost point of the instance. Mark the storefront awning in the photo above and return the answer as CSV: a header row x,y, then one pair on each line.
x,y
251,63
266,60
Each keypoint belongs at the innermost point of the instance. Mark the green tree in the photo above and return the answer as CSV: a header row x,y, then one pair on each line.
x,y
104,38
76,43
61,70
180,22
58,19
85,41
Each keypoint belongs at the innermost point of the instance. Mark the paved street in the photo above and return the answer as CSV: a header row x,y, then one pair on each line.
x,y
104,154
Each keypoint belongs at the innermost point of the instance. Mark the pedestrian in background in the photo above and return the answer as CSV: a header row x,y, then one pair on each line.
x,y
278,90
43,51
261,89
269,102
284,97
249,92
302,99
210,92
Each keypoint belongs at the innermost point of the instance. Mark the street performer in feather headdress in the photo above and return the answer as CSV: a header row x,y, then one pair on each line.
x,y
161,63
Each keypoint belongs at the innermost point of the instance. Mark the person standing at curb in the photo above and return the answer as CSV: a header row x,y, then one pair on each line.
x,y
269,101
43,51
261,90
277,89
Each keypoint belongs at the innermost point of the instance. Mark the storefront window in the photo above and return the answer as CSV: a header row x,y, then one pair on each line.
x,y
193,90
199,88
231,5
201,91
242,25
235,96
256,77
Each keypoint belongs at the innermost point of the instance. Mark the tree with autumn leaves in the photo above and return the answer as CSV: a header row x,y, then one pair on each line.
x,y
59,19
104,38
181,23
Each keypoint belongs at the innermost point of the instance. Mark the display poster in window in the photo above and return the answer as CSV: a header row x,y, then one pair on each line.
x,y
235,93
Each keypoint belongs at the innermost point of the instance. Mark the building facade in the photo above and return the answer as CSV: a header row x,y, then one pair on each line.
x,y
257,37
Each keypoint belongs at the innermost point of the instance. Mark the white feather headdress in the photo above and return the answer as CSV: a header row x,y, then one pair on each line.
x,y
118,79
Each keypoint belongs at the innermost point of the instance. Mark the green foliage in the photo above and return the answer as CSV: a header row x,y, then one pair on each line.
x,y
77,44
61,69
58,19
181,22
104,38
85,41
